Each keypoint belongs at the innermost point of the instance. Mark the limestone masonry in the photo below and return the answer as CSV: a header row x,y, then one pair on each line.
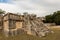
x,y
12,24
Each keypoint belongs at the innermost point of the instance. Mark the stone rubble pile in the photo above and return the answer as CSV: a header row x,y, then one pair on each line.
x,y
34,25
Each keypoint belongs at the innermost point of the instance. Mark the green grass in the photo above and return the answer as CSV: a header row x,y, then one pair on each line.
x,y
55,36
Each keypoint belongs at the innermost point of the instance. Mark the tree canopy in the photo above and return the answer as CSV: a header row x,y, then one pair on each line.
x,y
54,18
2,12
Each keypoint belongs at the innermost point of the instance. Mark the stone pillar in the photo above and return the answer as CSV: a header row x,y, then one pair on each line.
x,y
15,32
6,33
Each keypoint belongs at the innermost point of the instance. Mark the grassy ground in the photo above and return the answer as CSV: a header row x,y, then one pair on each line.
x,y
55,36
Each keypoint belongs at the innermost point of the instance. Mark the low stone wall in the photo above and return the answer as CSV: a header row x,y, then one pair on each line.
x,y
13,32
49,24
54,27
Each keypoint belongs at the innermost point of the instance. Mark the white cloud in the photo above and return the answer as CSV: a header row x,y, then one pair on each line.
x,y
39,7
30,7
9,7
52,1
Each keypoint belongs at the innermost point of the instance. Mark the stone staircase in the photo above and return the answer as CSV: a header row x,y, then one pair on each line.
x,y
35,26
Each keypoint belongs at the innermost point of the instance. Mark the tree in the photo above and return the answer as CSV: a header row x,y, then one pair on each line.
x,y
2,12
57,20
55,17
49,18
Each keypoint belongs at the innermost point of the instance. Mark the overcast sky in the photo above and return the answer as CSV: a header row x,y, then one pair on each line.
x,y
39,7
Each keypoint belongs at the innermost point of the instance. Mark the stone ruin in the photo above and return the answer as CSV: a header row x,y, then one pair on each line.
x,y
30,23
34,26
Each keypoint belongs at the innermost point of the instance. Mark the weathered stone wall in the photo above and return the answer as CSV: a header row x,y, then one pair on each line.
x,y
28,22
6,27
1,22
18,25
35,26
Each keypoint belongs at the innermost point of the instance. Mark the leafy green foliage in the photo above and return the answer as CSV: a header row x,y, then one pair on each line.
x,y
55,17
49,18
2,12
57,20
